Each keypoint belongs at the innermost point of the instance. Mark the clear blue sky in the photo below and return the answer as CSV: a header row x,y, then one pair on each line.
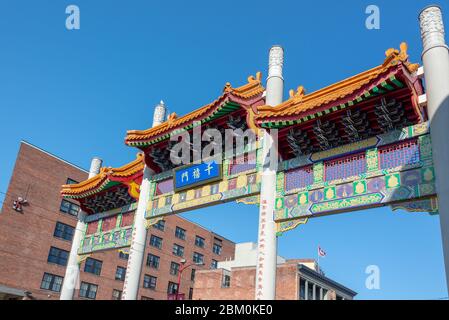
x,y
75,93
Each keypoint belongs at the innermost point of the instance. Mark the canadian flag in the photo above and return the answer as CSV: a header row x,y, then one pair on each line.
x,y
321,252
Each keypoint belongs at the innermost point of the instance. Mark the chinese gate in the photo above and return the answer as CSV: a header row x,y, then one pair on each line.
x,y
359,143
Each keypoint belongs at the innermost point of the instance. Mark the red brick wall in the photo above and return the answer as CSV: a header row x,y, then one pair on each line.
x,y
25,238
208,284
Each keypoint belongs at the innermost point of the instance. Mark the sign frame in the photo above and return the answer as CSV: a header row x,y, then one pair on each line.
x,y
199,183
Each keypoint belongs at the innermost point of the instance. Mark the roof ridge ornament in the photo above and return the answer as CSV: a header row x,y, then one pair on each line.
x,y
298,94
171,117
257,78
394,56
227,87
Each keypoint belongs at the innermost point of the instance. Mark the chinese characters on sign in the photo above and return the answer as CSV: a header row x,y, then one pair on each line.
x,y
197,174
261,250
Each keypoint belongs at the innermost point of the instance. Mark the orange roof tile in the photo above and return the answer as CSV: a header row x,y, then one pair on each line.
x,y
252,89
300,103
106,175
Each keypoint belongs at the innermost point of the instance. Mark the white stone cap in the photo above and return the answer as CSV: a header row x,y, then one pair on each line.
x,y
432,28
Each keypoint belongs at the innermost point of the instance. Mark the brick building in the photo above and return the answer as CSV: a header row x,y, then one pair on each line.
x,y
35,240
296,279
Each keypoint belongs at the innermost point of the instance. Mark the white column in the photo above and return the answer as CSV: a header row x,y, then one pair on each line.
x,y
435,58
306,295
138,241
267,241
73,268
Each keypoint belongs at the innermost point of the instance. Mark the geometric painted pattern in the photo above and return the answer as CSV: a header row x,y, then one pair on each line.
x,y
298,178
242,163
405,153
346,167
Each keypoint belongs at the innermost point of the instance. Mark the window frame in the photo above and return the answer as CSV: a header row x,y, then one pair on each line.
x,y
88,290
119,294
179,252
159,241
94,266
150,279
197,254
119,276
52,283
63,231
152,265
58,256
174,268
181,234
202,241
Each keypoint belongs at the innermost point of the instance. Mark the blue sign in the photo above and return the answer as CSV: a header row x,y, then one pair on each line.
x,y
197,174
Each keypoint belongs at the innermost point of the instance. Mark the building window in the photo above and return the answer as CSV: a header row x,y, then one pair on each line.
x,y
122,255
198,258
64,231
51,282
156,241
217,246
120,273
199,242
160,225
153,261
116,294
149,282
214,264
190,293
226,282
145,298
71,181
88,290
172,288
93,266
178,250
180,233
58,256
69,207
192,275
174,268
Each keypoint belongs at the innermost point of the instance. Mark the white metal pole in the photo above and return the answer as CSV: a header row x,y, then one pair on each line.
x,y
435,58
267,242
73,269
